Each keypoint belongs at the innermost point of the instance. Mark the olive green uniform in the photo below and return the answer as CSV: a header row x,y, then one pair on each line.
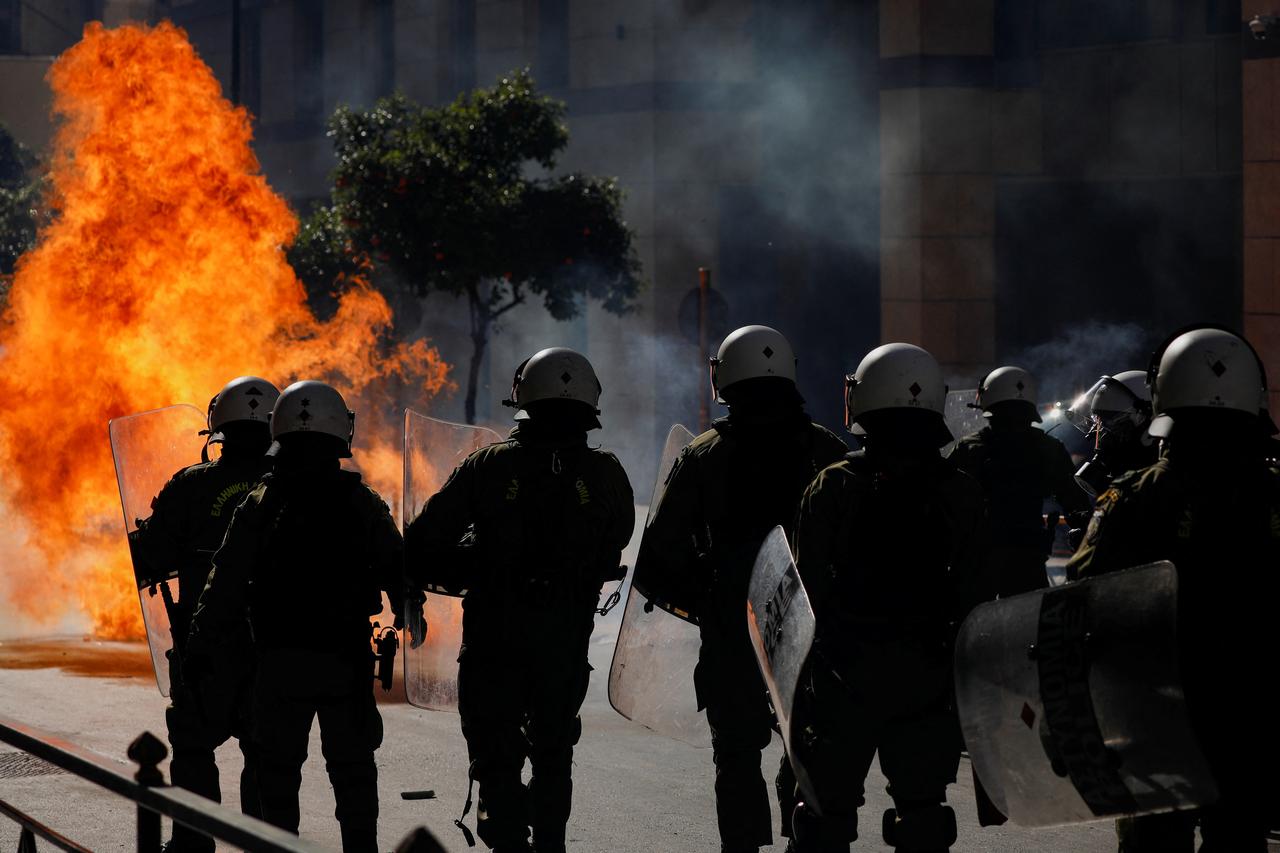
x,y
889,549
529,529
1219,523
726,491
188,521
305,562
1018,467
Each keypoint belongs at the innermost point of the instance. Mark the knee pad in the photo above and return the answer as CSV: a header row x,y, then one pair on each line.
x,y
931,827
815,832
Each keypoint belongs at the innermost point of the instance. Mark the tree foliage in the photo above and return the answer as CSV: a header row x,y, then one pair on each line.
x,y
21,191
460,199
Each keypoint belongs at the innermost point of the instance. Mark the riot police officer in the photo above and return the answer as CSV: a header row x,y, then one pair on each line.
x,y
1114,413
305,562
726,491
530,528
1211,505
1018,466
888,545
188,521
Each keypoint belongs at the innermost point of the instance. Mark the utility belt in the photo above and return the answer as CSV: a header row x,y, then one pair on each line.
x,y
545,593
281,630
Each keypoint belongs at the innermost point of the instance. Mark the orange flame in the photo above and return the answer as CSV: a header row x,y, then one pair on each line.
x,y
163,277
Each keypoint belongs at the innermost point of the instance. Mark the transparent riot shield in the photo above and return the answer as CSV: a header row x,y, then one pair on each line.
x,y
432,449
651,677
148,449
1071,701
962,419
782,626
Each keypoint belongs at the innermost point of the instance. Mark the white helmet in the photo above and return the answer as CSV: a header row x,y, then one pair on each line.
x,y
894,376
1004,385
313,407
245,398
1122,397
558,373
1111,398
751,352
1205,368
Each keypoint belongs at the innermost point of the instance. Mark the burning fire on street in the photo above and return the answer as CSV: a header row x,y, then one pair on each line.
x,y
162,276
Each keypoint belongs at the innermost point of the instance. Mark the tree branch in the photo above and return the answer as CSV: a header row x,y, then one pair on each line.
x,y
517,300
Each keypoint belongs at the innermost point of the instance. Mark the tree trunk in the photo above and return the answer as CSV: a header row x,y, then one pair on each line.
x,y
481,319
478,345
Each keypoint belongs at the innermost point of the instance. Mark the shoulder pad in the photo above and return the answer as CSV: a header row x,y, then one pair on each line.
x,y
1051,441
258,494
482,453
194,470
1126,481
708,439
979,438
823,434
958,477
856,463
375,499
853,471
606,454
701,446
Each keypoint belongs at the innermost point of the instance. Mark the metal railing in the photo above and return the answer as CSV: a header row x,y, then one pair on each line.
x,y
147,789
32,828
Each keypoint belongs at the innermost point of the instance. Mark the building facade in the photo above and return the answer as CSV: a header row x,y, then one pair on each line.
x,y
1058,182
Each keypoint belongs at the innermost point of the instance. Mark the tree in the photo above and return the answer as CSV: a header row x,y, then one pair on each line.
x,y
460,199
323,258
20,204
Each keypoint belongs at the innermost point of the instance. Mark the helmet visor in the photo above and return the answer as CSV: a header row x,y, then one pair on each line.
x,y
1105,405
850,383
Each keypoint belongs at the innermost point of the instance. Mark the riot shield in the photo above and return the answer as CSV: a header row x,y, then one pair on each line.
x,y
1071,701
781,623
651,677
148,449
961,418
432,449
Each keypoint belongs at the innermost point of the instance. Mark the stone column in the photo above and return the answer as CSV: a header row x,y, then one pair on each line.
x,y
1261,297
937,269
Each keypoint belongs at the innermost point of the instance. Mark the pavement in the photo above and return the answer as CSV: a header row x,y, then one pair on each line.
x,y
635,791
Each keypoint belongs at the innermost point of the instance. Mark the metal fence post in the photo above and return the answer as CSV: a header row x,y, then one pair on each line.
x,y
148,752
26,841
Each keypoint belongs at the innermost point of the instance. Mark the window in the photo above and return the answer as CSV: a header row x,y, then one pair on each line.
x,y
308,61
383,20
462,74
553,44
10,26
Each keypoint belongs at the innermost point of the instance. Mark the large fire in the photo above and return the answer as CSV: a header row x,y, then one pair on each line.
x,y
162,277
